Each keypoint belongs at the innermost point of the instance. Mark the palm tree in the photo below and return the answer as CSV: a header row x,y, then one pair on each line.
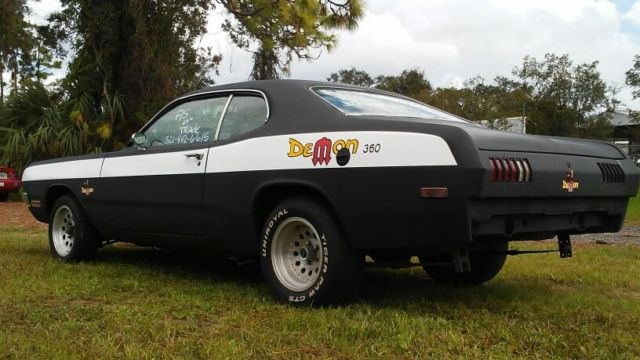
x,y
40,125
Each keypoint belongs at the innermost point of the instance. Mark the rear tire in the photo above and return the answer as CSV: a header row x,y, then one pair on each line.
x,y
72,237
4,196
485,265
295,244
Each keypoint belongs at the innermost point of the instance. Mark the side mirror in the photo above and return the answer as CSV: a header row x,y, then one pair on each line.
x,y
138,139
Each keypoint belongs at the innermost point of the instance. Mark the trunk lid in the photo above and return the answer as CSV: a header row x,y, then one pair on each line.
x,y
492,140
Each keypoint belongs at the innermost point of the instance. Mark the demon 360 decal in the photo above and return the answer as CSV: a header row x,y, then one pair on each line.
x,y
320,151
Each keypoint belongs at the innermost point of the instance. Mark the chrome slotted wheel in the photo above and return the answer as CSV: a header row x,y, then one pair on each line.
x,y
296,254
63,230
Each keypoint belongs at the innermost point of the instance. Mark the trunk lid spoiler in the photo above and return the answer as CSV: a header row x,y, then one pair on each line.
x,y
491,140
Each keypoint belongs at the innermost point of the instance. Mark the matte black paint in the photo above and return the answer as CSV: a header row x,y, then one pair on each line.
x,y
379,208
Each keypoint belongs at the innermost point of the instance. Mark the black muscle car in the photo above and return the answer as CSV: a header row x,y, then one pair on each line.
x,y
311,177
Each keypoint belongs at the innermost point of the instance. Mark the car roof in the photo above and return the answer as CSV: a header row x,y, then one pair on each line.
x,y
275,85
296,107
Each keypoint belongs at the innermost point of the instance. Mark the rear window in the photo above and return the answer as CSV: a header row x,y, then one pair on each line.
x,y
353,102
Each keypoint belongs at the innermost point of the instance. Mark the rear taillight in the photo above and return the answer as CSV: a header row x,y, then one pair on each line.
x,y
510,170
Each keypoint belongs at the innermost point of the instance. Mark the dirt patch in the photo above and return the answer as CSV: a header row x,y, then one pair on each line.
x,y
16,214
630,234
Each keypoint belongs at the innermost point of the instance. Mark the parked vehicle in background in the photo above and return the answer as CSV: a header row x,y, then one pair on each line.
x,y
9,182
311,177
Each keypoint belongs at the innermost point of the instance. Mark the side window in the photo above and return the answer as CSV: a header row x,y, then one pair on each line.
x,y
245,113
194,122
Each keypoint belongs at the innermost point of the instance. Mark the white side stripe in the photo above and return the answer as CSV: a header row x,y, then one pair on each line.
x,y
76,169
368,149
281,152
168,163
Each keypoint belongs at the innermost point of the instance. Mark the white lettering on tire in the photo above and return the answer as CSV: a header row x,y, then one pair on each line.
x,y
267,231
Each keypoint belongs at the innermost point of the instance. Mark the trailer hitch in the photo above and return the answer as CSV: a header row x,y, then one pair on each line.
x,y
564,248
522,252
564,245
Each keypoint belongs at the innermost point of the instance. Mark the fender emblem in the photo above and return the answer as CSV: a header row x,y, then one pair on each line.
x,y
570,183
86,188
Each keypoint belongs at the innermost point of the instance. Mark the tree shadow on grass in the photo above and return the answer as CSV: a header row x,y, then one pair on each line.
x,y
181,263
408,290
413,291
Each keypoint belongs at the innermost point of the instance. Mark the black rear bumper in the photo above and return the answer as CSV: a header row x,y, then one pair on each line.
x,y
542,218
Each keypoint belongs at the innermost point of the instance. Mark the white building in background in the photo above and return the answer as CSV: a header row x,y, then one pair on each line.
x,y
626,132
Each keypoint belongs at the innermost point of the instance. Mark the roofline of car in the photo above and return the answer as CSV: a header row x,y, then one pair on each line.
x,y
231,91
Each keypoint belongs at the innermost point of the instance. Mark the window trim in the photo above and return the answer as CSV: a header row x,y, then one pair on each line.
x,y
380,92
224,113
206,95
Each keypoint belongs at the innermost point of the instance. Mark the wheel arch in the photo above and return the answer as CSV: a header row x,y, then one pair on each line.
x,y
54,192
268,195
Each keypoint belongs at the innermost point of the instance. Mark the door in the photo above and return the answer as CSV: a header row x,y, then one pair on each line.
x,y
158,187
229,187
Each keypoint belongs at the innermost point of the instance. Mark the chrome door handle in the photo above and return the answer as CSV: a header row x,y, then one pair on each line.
x,y
197,156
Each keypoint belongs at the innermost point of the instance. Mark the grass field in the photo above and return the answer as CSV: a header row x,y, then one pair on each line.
x,y
633,210
144,303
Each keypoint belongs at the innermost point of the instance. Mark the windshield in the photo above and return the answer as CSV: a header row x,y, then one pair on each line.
x,y
353,102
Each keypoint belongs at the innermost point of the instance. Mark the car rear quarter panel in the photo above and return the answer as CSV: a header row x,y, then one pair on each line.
x,y
376,196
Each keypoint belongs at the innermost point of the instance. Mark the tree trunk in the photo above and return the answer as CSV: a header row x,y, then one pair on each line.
x,y
38,79
1,85
14,76
265,65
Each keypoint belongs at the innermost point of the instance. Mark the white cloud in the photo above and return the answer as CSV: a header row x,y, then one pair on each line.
x,y
383,44
452,40
633,15
236,63
43,8
566,10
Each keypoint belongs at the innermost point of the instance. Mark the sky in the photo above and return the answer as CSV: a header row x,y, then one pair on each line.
x,y
453,40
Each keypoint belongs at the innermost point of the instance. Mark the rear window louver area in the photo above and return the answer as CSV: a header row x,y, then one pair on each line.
x,y
611,173
510,170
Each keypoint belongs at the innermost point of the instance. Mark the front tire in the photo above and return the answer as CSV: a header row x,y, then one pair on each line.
x,y
485,265
298,238
72,238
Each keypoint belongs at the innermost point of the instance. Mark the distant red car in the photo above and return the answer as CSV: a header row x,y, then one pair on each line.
x,y
9,182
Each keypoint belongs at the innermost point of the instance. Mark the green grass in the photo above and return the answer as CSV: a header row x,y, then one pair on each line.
x,y
15,197
633,210
144,303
